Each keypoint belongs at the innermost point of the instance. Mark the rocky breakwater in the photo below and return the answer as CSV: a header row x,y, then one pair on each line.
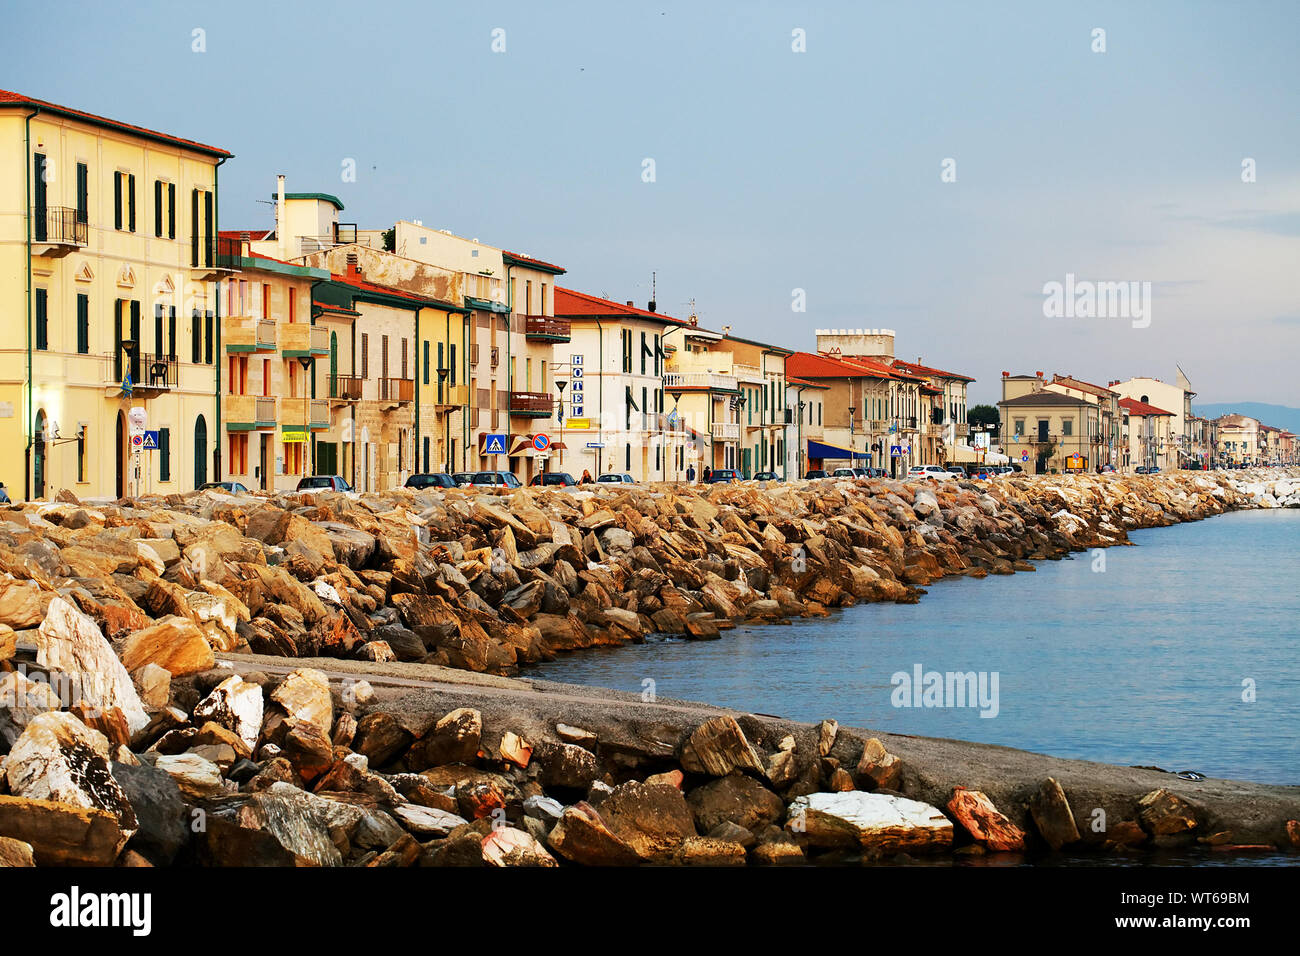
x,y
486,581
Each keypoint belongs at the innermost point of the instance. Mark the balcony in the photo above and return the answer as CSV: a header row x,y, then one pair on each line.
x,y
246,413
397,391
546,328
725,431
150,374
298,414
749,373
452,396
692,381
345,388
224,257
298,340
532,404
57,231
247,335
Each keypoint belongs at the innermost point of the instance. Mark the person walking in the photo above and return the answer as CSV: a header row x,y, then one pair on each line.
x,y
690,474
708,473
586,477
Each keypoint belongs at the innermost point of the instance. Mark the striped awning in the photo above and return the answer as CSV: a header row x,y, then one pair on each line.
x,y
821,449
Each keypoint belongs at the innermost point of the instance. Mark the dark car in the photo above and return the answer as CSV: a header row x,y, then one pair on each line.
x,y
767,476
1147,470
723,475
815,473
554,479
323,483
435,480
234,487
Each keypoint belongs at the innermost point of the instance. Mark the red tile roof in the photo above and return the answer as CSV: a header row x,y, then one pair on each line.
x,y
803,382
1134,407
534,263
570,304
810,365
254,235
1081,386
919,369
10,98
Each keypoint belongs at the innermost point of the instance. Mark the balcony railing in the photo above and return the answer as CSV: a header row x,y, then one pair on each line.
x,y
59,226
249,412
247,335
698,380
748,373
533,404
299,339
345,388
453,396
726,431
230,251
547,328
397,389
305,413
266,334
148,371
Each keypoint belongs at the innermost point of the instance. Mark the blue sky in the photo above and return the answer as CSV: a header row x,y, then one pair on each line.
x,y
775,170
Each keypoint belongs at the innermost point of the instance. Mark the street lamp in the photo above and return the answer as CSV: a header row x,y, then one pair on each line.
x,y
446,419
677,398
559,385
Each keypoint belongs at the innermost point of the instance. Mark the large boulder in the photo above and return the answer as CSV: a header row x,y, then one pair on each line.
x,y
581,836
736,799
61,834
652,819
235,704
717,747
175,643
876,821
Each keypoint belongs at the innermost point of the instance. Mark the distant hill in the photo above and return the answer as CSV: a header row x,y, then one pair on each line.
x,y
1280,416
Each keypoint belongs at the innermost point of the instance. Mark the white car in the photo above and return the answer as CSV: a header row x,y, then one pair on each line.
x,y
933,472
616,478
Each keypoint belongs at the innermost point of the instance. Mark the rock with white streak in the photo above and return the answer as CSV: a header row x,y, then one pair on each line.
x,y
236,705
506,846
875,821
305,694
70,642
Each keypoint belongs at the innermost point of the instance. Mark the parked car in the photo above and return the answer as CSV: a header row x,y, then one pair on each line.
x,y
1105,469
843,473
957,470
931,472
723,475
877,473
323,483
1147,470
553,479
767,476
430,480
234,487
463,479
815,473
616,478
497,479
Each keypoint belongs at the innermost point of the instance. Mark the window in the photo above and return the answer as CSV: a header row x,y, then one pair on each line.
x,y
158,315
1067,426
83,324
1019,427
194,228
196,347
266,300
426,364
528,297
171,210
42,319
207,337
643,352
542,309
383,356
83,193
452,363
405,349
124,200
171,333
158,193
239,454
293,304
164,454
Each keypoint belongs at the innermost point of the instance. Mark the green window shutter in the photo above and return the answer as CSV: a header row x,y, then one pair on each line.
x,y
117,339
171,210
207,337
196,351
135,335
83,193
157,207
452,365
83,324
164,454
207,229
42,319
158,330
171,332
130,202
426,363
117,200
194,235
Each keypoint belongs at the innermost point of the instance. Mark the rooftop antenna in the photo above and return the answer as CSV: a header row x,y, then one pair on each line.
x,y
652,292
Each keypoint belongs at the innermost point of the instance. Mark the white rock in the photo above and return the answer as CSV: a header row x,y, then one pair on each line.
x,y
305,694
70,642
194,775
875,820
427,821
236,705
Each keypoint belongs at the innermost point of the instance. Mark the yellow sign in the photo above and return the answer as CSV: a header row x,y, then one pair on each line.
x,y
578,424
296,435
1076,462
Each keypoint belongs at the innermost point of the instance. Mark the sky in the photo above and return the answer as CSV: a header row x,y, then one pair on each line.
x,y
926,167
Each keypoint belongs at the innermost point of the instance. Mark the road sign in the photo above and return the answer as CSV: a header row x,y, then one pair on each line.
x,y
541,456
137,440
595,444
150,441
291,436
895,451
1024,456
494,445
542,442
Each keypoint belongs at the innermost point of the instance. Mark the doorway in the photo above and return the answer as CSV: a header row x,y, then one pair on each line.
x,y
38,457
200,451
264,460
121,454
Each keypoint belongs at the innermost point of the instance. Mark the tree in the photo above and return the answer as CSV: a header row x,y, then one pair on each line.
x,y
983,416
390,239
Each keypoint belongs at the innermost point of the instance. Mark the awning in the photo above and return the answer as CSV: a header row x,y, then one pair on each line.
x,y
820,449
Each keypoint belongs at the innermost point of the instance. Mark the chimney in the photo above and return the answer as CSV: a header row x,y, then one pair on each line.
x,y
282,240
354,265
1039,374
1006,374
629,302
651,306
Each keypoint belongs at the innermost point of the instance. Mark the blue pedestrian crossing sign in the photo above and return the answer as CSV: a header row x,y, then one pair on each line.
x,y
494,445
150,442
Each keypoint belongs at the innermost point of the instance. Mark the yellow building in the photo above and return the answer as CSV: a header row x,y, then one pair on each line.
x,y
109,260
271,411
